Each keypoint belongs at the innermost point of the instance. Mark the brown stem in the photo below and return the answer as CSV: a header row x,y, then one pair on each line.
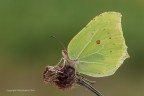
x,y
84,83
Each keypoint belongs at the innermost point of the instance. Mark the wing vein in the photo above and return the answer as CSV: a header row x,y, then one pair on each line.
x,y
87,44
97,52
93,62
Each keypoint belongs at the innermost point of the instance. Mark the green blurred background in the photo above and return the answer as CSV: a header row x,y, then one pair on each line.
x,y
25,47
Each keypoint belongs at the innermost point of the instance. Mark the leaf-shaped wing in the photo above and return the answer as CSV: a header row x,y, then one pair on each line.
x,y
100,47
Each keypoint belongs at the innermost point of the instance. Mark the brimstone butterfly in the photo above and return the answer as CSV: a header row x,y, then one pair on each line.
x,y
97,50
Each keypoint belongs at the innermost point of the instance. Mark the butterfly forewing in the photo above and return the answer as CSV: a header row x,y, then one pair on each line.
x,y
100,47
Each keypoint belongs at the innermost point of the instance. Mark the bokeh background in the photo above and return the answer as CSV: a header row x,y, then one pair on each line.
x,y
25,47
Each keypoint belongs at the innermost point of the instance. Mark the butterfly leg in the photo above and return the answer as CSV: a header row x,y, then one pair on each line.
x,y
59,62
63,64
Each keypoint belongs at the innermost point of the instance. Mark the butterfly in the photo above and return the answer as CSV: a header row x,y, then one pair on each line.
x,y
98,50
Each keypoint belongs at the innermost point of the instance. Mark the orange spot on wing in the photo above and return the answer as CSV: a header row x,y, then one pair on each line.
x,y
97,41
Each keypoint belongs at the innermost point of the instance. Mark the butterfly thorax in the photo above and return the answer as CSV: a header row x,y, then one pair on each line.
x,y
66,58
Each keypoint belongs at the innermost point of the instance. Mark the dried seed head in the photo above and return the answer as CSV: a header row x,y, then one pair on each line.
x,y
66,78
63,77
49,74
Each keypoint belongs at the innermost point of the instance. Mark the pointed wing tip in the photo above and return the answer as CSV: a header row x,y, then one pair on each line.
x,y
125,54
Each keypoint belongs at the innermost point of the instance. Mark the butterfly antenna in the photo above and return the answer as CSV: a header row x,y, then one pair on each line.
x,y
84,83
53,37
